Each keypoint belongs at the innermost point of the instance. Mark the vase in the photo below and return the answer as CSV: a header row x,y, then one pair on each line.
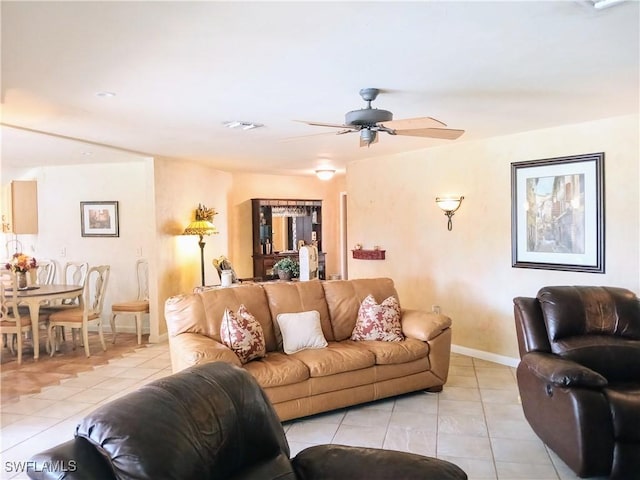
x,y
284,275
21,278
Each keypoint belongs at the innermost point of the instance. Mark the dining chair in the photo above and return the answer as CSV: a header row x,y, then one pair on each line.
x,y
74,273
45,275
89,310
11,321
137,307
46,272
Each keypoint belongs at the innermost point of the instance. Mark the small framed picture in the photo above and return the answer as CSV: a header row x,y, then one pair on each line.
x,y
558,213
99,219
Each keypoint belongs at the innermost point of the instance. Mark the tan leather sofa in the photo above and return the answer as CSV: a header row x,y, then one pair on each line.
x,y
312,381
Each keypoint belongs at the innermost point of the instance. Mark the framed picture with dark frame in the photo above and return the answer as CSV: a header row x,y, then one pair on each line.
x,y
557,213
99,219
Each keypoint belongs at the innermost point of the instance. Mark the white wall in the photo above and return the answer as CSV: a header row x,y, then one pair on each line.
x,y
468,271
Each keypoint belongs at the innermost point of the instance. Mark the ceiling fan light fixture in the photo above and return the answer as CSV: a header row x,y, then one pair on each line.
x,y
325,173
368,136
369,121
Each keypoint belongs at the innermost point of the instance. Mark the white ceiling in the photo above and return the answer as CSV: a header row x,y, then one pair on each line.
x,y
182,69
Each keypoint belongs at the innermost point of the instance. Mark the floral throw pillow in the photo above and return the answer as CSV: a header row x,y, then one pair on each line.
x,y
243,334
378,322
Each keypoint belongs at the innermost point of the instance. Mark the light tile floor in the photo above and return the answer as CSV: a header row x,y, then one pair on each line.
x,y
476,422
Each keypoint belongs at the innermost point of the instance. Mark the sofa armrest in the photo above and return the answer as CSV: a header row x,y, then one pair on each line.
x,y
337,462
76,459
562,372
189,349
423,325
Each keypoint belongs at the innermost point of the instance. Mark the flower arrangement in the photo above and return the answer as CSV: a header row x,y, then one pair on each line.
x,y
288,264
21,263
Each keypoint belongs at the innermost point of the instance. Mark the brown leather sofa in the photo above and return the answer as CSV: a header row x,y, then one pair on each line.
x,y
311,381
579,376
212,421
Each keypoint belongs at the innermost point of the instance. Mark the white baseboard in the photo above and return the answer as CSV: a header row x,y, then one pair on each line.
x,y
488,356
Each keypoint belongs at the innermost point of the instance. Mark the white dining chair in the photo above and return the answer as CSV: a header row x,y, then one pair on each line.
x,y
12,323
89,310
137,307
46,272
73,273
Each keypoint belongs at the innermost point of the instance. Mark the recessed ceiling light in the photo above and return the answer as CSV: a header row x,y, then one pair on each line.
x,y
105,94
86,154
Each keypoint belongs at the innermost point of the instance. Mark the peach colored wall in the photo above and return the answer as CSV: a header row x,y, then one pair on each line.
x,y
179,187
247,186
468,271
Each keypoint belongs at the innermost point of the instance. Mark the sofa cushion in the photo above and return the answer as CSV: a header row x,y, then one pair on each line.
x,y
624,402
288,297
202,312
190,426
338,357
615,358
243,334
344,297
215,302
277,369
387,353
378,321
570,311
331,462
300,331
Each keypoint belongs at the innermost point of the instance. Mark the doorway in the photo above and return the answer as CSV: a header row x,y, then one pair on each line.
x,y
344,250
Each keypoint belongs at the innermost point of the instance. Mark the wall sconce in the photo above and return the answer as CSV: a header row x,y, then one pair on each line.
x,y
325,174
449,205
202,226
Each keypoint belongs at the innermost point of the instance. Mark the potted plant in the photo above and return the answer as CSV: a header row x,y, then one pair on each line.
x,y
287,268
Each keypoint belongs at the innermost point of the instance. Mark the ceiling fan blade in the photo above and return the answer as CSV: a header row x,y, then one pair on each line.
x,y
332,125
444,133
413,123
288,139
323,134
365,144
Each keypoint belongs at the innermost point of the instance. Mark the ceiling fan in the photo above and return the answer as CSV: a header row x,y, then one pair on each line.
x,y
369,121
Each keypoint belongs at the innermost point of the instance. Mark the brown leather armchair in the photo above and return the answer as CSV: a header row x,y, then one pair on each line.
x,y
579,376
212,421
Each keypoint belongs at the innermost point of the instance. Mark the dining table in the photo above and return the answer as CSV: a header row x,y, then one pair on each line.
x,y
35,295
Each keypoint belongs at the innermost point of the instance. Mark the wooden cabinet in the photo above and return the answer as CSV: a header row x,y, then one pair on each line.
x,y
280,227
22,216
263,264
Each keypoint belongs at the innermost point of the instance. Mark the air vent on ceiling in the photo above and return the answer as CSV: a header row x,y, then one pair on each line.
x,y
242,125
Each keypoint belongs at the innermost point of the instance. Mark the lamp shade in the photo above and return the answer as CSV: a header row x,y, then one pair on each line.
x,y
200,227
449,204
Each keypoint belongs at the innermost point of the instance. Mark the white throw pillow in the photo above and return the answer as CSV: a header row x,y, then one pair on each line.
x,y
301,331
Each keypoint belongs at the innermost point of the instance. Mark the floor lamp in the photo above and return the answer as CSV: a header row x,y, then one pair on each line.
x,y
201,227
